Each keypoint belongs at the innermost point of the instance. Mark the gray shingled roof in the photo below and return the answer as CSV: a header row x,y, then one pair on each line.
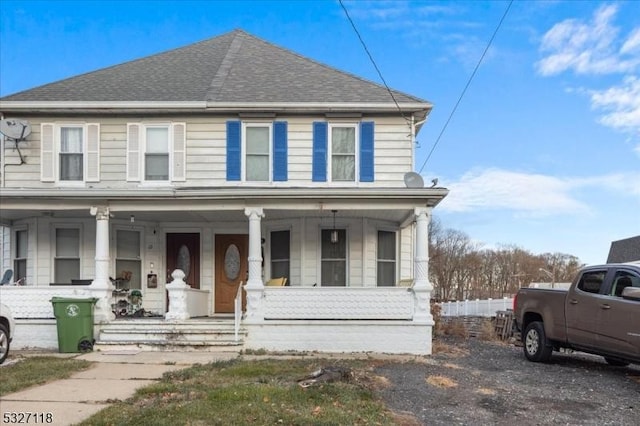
x,y
235,67
627,250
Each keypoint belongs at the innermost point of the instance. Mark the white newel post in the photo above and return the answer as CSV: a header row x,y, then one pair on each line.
x,y
177,293
101,287
422,287
254,286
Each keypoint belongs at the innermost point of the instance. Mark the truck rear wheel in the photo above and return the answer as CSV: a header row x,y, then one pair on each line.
x,y
535,344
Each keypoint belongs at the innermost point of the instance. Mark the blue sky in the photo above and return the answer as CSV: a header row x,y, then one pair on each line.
x,y
543,151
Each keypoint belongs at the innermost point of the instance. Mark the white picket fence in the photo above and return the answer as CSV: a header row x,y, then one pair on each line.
x,y
477,307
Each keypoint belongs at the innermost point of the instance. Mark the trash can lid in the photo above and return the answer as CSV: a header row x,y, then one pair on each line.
x,y
136,293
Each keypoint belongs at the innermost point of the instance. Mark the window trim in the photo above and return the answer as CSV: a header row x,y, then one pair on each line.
x,y
338,227
54,257
14,252
396,254
244,151
356,171
58,152
143,152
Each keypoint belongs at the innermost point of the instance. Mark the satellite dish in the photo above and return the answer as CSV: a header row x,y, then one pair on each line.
x,y
413,180
15,129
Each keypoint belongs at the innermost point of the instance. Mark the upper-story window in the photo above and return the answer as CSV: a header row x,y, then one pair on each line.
x,y
70,152
257,152
257,143
343,152
156,152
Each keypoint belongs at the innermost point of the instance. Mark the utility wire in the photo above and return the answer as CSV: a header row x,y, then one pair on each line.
x,y
372,61
504,15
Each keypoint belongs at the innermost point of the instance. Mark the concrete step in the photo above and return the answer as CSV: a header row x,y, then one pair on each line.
x,y
137,346
158,334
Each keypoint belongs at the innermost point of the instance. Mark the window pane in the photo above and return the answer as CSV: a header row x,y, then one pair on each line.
x,y
334,273
133,266
156,167
157,140
280,269
386,274
334,250
257,140
128,244
20,269
68,243
257,168
343,167
21,244
386,245
71,140
280,245
66,270
343,140
70,166
591,282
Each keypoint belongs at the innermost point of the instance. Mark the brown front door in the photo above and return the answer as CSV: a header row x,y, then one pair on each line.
x,y
183,252
231,269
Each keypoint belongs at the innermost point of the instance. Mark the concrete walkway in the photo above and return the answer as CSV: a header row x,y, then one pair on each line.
x,y
114,376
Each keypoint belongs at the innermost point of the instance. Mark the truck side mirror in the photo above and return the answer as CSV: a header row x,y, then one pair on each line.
x,y
632,293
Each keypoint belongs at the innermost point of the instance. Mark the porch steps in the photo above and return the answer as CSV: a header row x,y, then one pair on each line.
x,y
156,334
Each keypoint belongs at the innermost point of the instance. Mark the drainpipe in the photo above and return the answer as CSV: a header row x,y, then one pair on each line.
x,y
2,155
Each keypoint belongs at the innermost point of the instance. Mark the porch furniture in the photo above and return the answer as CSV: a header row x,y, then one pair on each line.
x,y
276,282
6,278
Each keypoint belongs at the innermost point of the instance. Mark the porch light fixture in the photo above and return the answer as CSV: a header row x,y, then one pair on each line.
x,y
334,231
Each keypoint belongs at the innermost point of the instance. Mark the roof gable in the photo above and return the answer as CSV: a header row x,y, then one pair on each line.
x,y
232,68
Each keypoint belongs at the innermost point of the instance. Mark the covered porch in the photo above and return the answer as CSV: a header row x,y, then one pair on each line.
x,y
360,299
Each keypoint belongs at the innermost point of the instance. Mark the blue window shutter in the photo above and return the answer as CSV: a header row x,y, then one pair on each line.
x,y
233,150
319,173
280,151
366,151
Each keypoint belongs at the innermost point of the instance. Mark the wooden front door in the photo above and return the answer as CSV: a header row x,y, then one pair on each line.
x,y
183,252
231,269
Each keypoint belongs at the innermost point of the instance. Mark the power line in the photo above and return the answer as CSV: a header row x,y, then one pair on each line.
x,y
504,15
372,61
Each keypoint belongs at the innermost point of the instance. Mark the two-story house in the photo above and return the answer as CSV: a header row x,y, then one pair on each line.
x,y
236,162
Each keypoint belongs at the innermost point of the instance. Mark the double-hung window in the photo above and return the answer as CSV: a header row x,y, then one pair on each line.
x,y
343,152
386,275
156,152
280,249
334,258
71,153
21,253
128,262
257,142
66,262
156,155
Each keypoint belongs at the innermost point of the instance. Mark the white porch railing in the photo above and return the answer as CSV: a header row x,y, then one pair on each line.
x,y
477,307
338,303
237,312
35,302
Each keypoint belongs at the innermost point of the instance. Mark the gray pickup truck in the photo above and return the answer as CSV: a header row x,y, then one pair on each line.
x,y
598,314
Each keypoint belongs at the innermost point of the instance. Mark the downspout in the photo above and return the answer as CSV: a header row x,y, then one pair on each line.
x,y
413,142
2,155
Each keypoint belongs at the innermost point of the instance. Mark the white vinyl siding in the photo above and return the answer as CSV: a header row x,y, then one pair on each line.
x,y
204,155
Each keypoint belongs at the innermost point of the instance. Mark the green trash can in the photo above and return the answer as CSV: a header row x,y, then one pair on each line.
x,y
74,320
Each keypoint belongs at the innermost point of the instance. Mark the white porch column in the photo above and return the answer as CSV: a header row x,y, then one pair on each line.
x,y
255,286
422,287
101,287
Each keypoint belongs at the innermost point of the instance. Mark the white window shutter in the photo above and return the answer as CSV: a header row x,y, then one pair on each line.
x,y
93,152
47,153
133,152
179,152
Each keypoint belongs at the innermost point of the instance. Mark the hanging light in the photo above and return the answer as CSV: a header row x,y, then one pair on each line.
x,y
334,231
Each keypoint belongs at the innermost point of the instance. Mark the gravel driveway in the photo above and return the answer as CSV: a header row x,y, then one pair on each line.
x,y
473,382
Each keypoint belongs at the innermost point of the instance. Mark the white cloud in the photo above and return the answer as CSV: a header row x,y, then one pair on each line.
x,y
531,194
592,47
621,105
